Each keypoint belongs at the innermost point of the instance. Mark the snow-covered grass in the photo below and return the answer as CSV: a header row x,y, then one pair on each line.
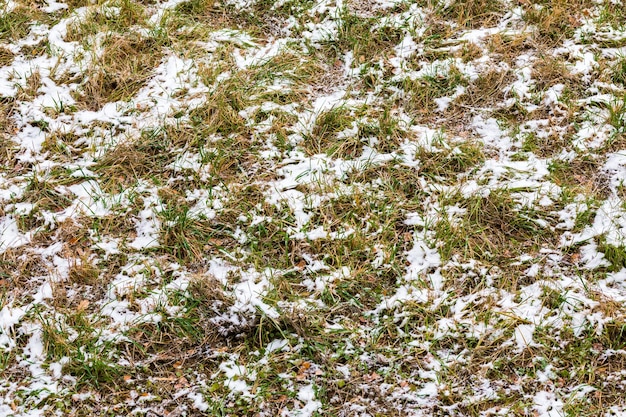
x,y
297,208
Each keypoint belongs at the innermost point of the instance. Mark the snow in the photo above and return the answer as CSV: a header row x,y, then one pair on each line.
x,y
10,236
258,57
547,405
524,335
310,405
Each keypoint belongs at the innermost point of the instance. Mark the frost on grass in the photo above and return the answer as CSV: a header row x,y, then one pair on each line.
x,y
312,208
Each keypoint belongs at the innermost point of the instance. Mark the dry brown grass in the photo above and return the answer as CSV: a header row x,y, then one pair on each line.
x,y
6,56
129,14
493,230
18,267
474,13
82,270
31,87
120,72
486,91
145,156
7,129
548,71
555,20
506,48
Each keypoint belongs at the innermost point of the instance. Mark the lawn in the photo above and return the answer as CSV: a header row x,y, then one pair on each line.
x,y
306,208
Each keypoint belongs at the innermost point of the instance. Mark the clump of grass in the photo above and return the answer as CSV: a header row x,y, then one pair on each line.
x,y
618,71
61,145
123,69
185,236
323,137
582,175
7,129
16,24
617,115
383,127
473,13
486,90
220,114
43,193
144,157
548,71
83,271
355,34
194,8
74,4
449,163
105,18
493,228
422,91
616,255
6,56
555,20
76,339
614,14
261,18
31,87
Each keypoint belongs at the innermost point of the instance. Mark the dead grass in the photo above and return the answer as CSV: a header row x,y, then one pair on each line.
x,y
18,267
486,91
549,71
82,271
493,229
422,91
120,72
7,129
6,56
31,87
102,18
473,13
449,164
260,19
129,162
582,175
555,20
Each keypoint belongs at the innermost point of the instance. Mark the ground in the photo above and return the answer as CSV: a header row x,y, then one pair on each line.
x,y
312,208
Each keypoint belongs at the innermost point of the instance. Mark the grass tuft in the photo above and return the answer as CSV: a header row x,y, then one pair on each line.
x,y
123,69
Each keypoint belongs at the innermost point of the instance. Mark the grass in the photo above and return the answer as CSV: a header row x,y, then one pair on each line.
x,y
6,56
114,17
618,72
15,24
491,228
122,70
89,360
451,271
474,13
439,83
355,34
554,19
